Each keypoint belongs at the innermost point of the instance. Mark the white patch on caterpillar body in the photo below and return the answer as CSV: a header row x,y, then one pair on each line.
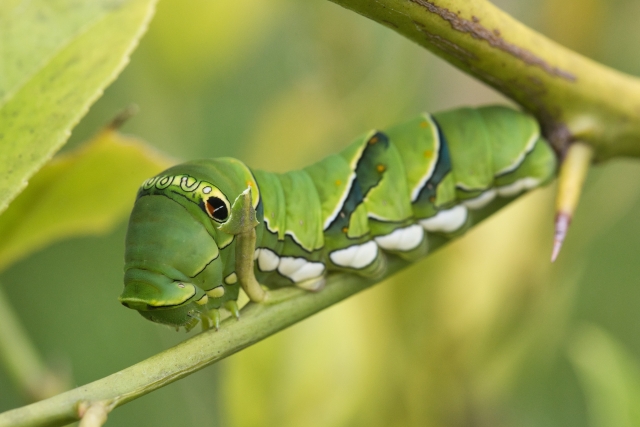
x,y
232,278
356,256
446,221
518,187
481,201
299,269
402,239
267,259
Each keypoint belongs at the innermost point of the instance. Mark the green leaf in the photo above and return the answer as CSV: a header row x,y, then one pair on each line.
x,y
56,58
82,192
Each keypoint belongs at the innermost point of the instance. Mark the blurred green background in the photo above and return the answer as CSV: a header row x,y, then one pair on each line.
x,y
485,332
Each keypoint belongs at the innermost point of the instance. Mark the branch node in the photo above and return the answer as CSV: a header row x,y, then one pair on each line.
x,y
93,414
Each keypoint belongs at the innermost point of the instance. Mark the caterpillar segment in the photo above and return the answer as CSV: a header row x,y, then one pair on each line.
x,y
202,230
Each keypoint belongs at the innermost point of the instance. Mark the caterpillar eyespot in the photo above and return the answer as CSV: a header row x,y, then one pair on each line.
x,y
386,194
217,209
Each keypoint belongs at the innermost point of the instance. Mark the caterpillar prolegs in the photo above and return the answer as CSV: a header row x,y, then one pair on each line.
x,y
389,192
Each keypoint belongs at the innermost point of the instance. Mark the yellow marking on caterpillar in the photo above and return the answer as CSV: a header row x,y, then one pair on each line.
x,y
381,168
216,292
428,153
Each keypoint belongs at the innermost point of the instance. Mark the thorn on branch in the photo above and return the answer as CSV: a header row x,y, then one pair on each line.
x,y
573,172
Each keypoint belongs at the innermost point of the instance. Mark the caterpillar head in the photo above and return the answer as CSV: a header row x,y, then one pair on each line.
x,y
178,244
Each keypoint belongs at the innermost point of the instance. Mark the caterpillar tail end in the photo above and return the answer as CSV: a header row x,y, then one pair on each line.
x,y
573,172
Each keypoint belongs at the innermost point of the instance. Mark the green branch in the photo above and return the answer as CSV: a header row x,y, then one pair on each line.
x,y
572,96
258,321
287,306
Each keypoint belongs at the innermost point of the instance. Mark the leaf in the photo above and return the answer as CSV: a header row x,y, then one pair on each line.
x,y
56,58
86,191
610,378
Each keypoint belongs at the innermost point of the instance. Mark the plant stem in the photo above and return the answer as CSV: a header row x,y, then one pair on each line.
x,y
21,359
257,322
572,96
284,308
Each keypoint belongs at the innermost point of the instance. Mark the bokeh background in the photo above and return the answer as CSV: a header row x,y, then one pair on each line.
x,y
485,332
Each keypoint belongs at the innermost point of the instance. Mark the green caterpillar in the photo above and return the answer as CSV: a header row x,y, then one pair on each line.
x,y
201,230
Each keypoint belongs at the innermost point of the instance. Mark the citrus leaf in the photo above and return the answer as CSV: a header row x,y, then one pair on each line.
x,y
56,58
83,192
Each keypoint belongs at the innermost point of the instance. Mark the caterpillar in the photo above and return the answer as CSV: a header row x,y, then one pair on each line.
x,y
202,230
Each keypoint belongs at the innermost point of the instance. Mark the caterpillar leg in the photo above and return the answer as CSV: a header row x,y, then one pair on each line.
x,y
206,323
282,294
377,269
232,306
211,319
